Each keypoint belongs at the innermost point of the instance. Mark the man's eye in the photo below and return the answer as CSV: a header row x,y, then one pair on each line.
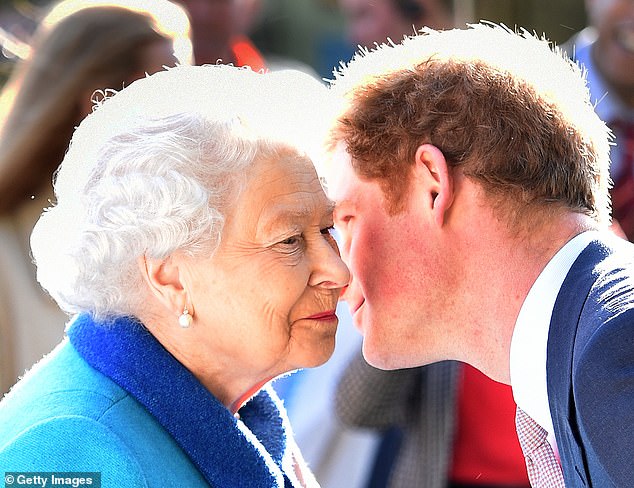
x,y
342,219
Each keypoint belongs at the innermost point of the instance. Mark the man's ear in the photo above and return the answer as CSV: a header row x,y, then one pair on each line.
x,y
433,173
164,279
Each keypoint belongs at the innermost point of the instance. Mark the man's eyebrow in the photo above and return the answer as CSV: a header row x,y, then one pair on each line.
x,y
344,201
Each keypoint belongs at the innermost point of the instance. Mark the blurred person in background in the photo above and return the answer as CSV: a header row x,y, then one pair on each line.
x,y
80,47
191,239
606,50
375,21
219,32
16,25
444,424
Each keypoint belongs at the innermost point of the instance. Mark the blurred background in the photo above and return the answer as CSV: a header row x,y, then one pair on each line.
x,y
313,31
315,36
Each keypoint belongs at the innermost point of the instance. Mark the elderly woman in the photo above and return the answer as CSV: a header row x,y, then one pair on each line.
x,y
191,238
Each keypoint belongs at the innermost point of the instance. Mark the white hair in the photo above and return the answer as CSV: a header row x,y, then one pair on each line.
x,y
153,170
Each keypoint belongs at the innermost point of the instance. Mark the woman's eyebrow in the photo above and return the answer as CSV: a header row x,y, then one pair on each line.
x,y
275,217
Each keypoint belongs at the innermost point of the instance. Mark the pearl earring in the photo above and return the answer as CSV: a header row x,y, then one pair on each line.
x,y
185,319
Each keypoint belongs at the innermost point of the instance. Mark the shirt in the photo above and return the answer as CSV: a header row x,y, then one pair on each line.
x,y
530,336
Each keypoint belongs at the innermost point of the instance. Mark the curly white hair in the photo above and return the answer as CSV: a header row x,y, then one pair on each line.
x,y
153,170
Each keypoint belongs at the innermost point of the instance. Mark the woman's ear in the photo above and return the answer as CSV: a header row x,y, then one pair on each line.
x,y
433,174
164,279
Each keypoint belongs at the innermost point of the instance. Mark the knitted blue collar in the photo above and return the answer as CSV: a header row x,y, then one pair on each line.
x,y
228,452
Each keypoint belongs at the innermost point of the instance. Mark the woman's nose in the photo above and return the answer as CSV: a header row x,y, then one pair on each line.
x,y
329,269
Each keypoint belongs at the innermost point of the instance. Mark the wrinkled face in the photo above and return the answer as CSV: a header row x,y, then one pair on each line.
x,y
268,294
614,55
394,283
374,21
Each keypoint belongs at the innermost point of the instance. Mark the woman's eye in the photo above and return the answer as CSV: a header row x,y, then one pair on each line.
x,y
329,235
328,230
292,246
295,241
291,241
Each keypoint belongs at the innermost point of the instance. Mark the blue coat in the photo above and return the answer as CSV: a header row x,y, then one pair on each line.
x,y
111,399
591,367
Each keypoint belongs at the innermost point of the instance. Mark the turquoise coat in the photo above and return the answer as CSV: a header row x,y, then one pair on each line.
x,y
111,399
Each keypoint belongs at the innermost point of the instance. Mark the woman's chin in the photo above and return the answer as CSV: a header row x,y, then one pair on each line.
x,y
319,354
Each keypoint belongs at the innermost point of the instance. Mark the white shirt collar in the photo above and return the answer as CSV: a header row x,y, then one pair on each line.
x,y
530,336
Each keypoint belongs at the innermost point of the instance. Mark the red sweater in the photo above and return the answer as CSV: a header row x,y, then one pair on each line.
x,y
486,449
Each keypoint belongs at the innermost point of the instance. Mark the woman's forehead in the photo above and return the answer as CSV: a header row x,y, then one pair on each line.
x,y
281,191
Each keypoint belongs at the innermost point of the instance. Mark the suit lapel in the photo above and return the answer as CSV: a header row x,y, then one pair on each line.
x,y
561,340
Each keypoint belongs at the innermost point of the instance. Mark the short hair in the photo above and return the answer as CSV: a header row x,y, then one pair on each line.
x,y
509,110
153,170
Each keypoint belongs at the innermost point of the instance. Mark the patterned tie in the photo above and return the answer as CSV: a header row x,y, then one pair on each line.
x,y
543,468
623,190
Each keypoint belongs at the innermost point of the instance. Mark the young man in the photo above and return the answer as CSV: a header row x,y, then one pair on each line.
x,y
470,174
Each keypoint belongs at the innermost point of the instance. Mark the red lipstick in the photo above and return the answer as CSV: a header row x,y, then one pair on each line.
x,y
327,315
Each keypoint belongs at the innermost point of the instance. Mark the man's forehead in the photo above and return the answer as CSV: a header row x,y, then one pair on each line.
x,y
340,174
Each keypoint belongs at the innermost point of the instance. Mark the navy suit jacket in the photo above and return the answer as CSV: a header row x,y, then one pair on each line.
x,y
590,367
